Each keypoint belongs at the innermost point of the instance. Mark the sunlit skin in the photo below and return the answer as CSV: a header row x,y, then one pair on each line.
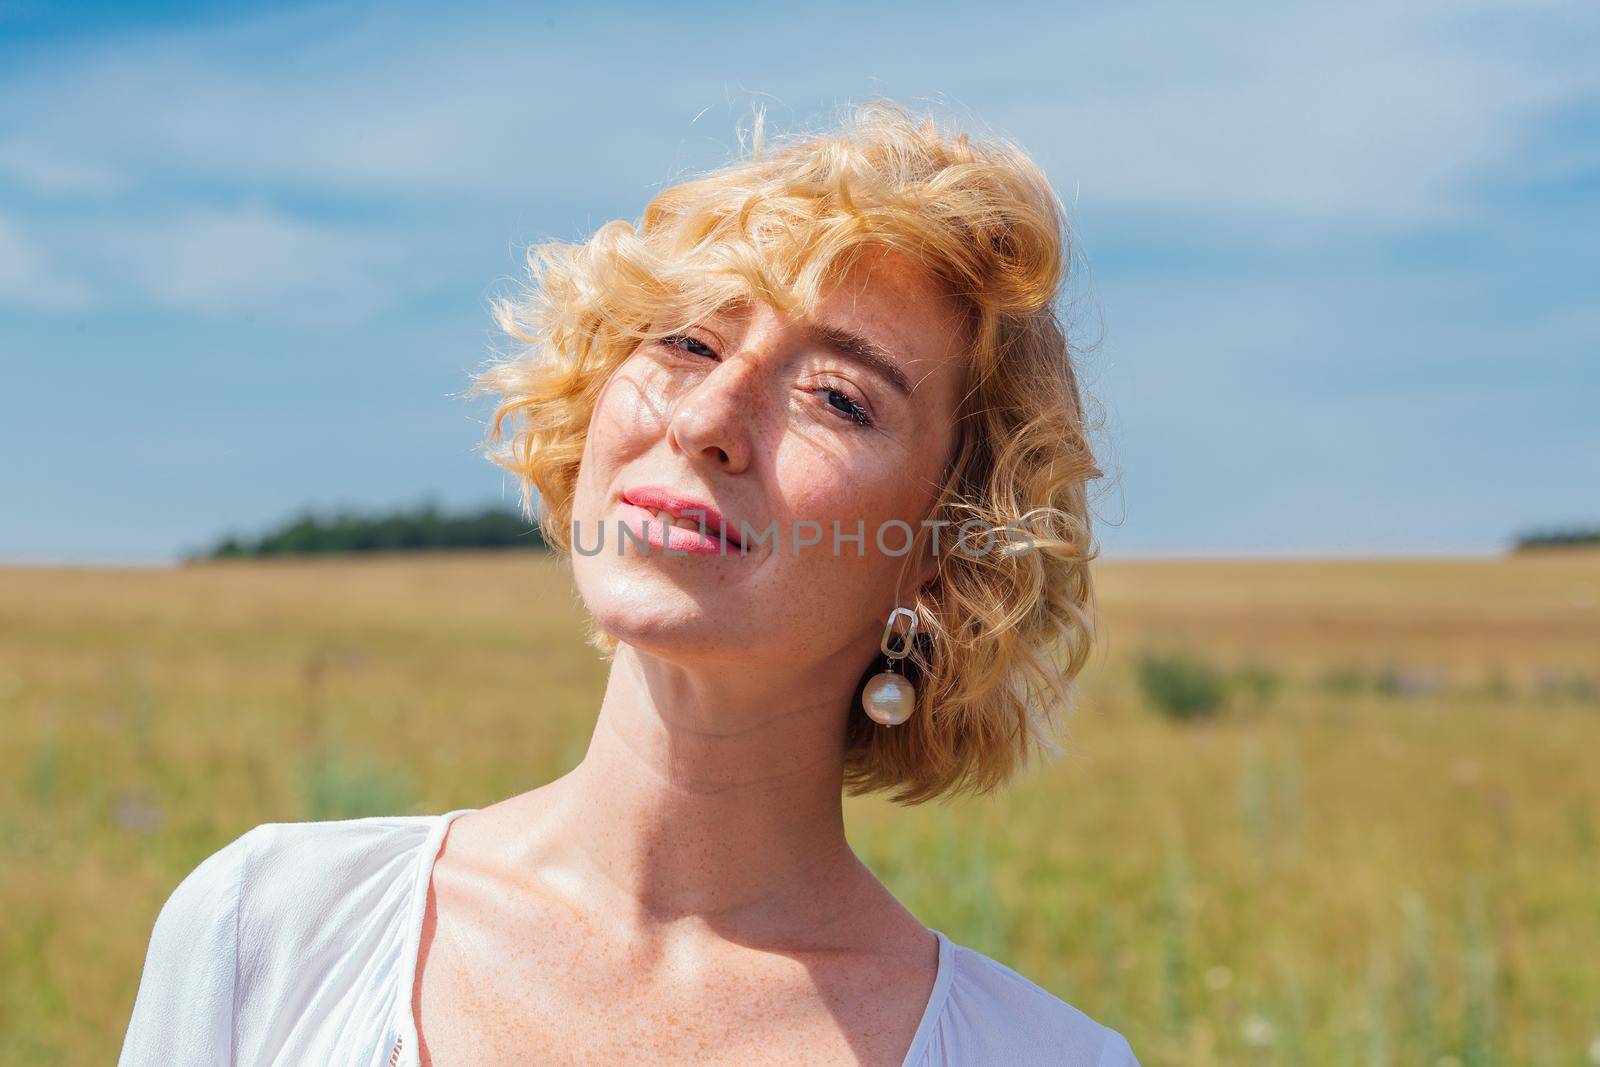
x,y
686,894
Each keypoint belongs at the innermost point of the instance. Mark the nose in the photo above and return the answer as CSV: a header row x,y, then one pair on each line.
x,y
712,422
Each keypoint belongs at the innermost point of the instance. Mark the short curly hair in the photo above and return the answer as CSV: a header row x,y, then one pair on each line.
x,y
1003,634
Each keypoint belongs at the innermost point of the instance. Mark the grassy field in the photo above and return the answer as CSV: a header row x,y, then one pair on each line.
x,y
1382,848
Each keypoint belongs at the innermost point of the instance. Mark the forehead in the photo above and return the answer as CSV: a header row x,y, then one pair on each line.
x,y
891,291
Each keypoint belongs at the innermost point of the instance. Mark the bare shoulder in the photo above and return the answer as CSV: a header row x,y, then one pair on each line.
x,y
493,834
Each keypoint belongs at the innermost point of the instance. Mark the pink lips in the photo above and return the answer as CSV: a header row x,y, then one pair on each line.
x,y
713,538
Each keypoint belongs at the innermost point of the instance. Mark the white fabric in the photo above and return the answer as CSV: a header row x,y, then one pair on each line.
x,y
297,944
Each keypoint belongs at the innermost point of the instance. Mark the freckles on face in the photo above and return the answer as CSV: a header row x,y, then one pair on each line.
x,y
628,417
843,419
891,469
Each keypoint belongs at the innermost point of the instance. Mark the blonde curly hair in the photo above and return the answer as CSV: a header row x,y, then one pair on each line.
x,y
1003,634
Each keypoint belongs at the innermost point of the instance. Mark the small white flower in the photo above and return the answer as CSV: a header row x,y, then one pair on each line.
x,y
1256,1031
1594,1051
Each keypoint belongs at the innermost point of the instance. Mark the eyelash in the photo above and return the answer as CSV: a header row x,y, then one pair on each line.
x,y
855,412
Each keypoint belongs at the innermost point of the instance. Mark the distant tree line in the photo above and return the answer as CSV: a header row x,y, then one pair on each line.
x,y
1559,537
421,528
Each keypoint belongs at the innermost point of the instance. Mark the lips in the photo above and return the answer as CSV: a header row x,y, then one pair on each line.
x,y
684,512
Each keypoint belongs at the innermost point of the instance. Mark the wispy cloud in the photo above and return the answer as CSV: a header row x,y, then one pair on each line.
x,y
29,278
40,169
1356,223
251,261
1358,116
1361,111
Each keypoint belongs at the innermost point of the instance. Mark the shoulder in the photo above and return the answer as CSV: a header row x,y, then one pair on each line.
x,y
995,1015
307,873
207,899
318,862
183,1011
230,943
305,885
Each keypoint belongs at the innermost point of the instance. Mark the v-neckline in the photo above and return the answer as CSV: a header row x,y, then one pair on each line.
x,y
406,1051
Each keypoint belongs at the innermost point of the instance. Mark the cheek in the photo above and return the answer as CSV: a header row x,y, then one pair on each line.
x,y
841,586
630,407
626,422
831,596
871,484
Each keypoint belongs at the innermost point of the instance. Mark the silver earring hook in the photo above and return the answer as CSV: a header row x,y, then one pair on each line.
x,y
904,648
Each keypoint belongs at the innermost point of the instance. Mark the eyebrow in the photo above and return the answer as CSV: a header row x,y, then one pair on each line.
x,y
865,351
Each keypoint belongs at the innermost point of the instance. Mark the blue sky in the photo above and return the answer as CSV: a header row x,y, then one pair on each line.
x,y
1338,264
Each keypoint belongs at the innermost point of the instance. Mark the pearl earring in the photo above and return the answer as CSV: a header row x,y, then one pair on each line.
x,y
889,698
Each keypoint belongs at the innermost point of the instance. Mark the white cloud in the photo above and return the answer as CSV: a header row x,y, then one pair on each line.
x,y
213,263
1364,112
1352,115
252,260
28,277
40,169
1332,291
1292,120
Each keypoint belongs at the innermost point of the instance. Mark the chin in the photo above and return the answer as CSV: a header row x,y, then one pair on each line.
x,y
649,611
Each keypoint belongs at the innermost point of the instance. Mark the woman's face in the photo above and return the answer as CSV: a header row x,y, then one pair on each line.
x,y
789,428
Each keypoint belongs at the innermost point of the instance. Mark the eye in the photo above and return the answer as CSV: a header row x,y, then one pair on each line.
x,y
844,404
684,343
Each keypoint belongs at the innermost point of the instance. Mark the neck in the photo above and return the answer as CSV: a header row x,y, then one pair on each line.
x,y
714,792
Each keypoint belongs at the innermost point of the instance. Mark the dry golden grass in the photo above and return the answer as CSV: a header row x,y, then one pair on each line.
x,y
1391,857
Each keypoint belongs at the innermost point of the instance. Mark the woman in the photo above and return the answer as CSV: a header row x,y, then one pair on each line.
x,y
812,438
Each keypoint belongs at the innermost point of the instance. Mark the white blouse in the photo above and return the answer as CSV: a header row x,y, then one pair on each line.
x,y
297,944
